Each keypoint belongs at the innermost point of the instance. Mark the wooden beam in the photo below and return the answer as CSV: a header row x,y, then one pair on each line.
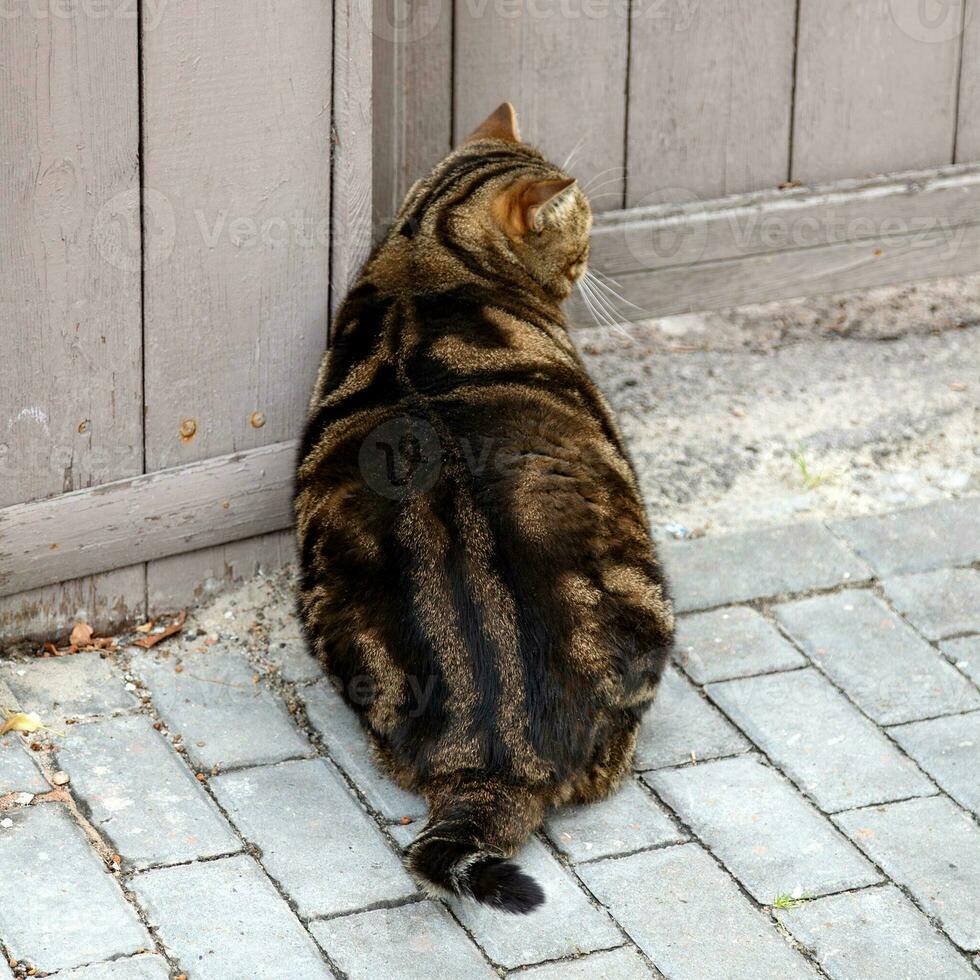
x,y
146,517
639,239
756,248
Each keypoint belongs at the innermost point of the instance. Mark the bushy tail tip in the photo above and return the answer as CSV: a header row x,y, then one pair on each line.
x,y
443,866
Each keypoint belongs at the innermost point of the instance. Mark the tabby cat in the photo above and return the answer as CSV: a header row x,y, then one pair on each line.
x,y
477,570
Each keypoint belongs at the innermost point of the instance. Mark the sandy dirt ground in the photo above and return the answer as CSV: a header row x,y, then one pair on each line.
x,y
808,409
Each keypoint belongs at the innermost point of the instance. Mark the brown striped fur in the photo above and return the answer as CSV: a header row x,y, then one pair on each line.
x,y
477,569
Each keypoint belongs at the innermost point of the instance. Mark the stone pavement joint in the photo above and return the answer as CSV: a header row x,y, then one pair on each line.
x,y
805,801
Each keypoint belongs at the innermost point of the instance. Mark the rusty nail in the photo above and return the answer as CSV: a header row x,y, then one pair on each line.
x,y
257,420
188,428
83,426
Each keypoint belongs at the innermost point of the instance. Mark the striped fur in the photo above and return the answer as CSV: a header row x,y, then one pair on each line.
x,y
477,570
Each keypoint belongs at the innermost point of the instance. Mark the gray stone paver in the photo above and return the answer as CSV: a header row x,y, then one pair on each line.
x,y
933,848
757,564
141,795
323,869
348,747
565,925
225,718
876,932
614,964
889,670
919,539
627,821
949,750
17,769
60,908
689,917
413,942
67,687
819,739
731,642
224,919
681,725
964,651
771,839
143,967
938,604
288,649
316,841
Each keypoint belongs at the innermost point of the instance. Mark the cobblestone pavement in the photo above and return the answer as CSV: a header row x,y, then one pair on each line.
x,y
805,803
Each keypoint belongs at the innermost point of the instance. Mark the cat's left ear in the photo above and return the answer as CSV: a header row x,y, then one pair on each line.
x,y
501,124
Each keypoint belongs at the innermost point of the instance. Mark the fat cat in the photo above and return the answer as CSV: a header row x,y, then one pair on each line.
x,y
477,571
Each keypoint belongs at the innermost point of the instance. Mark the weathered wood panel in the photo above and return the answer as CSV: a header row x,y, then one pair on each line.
x,y
105,601
236,129
798,272
412,97
237,145
151,516
351,229
876,87
751,224
201,575
968,133
563,65
70,375
710,96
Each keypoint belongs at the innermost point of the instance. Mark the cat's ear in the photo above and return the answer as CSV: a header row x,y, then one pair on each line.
x,y
519,208
539,193
501,124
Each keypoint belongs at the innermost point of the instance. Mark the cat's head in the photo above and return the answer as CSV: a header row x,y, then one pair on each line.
x,y
499,197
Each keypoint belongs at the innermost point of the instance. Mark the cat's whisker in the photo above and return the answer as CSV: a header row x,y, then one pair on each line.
x,y
602,173
609,316
606,305
588,304
608,290
571,156
604,275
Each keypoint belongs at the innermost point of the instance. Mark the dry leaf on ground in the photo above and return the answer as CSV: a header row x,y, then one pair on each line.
x,y
152,639
81,635
20,721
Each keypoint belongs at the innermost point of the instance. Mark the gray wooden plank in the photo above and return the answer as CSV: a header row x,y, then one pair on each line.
x,y
563,66
237,146
710,94
185,580
150,516
875,87
412,97
351,225
236,131
749,224
105,601
70,376
799,272
968,131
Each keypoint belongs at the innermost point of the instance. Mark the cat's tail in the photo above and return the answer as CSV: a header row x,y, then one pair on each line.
x,y
475,824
